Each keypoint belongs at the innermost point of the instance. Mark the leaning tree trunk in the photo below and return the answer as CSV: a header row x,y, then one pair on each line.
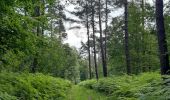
x,y
101,43
128,67
94,40
163,51
88,36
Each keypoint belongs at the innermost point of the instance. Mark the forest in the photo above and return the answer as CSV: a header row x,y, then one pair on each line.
x,y
123,53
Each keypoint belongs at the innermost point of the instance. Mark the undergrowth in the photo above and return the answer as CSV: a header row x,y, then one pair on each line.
x,y
147,86
15,86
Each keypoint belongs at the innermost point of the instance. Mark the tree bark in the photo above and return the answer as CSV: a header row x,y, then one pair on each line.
x,y
163,50
94,40
43,13
88,36
106,31
101,43
128,67
143,33
35,59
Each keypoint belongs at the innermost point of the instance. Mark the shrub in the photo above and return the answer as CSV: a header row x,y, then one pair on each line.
x,y
32,87
6,96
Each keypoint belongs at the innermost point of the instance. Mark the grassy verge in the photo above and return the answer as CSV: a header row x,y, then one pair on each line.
x,y
82,93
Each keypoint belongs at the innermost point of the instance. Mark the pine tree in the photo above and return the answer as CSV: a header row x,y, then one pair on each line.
x,y
88,36
127,38
106,31
101,43
94,39
163,51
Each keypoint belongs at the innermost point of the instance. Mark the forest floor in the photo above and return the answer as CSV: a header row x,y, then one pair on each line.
x,y
81,93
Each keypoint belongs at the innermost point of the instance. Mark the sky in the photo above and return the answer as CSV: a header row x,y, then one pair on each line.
x,y
75,36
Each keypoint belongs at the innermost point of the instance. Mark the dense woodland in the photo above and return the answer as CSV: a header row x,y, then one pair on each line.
x,y
125,57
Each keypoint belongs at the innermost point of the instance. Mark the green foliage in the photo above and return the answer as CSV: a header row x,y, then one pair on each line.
x,y
32,86
160,92
147,86
142,40
28,41
6,96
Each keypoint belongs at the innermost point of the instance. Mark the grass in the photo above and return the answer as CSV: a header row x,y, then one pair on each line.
x,y
81,93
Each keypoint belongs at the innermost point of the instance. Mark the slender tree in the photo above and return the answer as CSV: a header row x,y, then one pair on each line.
x,y
94,39
127,38
143,31
163,51
43,13
88,36
101,43
38,31
143,14
106,30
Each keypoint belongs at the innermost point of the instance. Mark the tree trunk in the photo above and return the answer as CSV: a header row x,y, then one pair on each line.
x,y
143,15
101,43
163,51
43,13
35,62
106,31
143,33
88,36
35,59
128,67
94,40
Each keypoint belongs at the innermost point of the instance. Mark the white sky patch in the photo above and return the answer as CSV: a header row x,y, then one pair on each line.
x,y
76,36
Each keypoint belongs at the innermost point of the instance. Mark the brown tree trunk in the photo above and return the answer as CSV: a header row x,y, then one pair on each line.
x,y
88,36
163,50
128,67
106,31
94,40
101,43
35,59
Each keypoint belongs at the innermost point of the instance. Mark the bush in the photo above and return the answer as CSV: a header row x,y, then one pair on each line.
x,y
6,96
129,87
32,87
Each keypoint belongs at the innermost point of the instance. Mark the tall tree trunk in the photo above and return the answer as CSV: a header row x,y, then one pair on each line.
x,y
35,60
106,31
143,34
88,36
43,13
128,67
143,15
60,22
164,59
94,41
101,43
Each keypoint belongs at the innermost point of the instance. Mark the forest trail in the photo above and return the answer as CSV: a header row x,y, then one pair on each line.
x,y
81,93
